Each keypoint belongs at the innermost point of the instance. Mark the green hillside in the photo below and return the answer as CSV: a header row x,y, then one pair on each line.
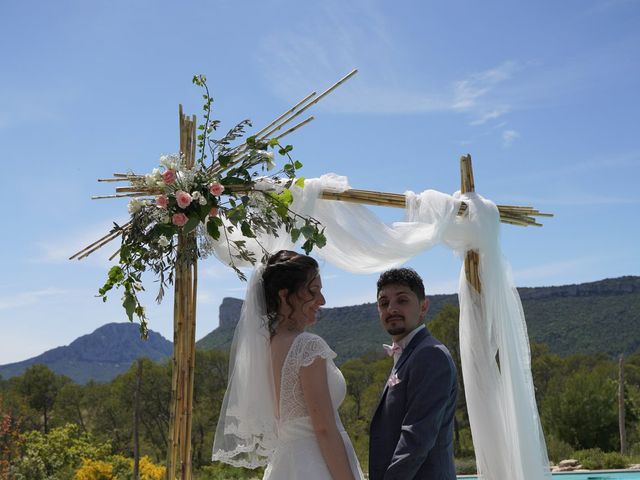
x,y
595,317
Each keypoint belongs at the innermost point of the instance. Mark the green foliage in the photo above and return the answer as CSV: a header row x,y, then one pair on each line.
x,y
596,459
577,400
118,467
40,388
558,449
466,466
222,183
365,379
222,471
581,409
602,317
56,455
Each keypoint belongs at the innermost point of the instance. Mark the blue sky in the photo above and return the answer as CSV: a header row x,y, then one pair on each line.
x,y
544,96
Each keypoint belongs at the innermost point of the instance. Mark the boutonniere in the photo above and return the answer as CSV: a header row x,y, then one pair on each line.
x,y
393,380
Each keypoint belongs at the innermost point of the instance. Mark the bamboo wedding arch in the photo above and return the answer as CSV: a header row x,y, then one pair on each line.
x,y
186,275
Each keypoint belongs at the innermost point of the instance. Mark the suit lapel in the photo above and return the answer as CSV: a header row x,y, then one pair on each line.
x,y
423,333
406,353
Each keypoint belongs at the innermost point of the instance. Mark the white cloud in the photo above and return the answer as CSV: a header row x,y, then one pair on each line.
x,y
491,115
297,61
508,137
24,299
468,92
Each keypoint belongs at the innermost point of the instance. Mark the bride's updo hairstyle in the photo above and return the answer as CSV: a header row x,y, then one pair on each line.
x,y
285,270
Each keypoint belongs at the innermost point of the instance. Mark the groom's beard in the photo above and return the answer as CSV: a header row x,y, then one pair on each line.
x,y
398,329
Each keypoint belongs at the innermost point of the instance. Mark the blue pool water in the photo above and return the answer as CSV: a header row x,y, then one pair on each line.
x,y
595,475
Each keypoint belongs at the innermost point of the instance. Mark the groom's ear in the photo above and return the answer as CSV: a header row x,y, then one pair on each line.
x,y
424,308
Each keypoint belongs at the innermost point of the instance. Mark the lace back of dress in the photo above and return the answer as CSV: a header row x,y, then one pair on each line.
x,y
305,348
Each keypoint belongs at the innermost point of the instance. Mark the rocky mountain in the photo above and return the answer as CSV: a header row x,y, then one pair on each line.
x,y
100,356
594,317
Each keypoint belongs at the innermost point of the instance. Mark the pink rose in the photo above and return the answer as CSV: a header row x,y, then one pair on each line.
x,y
162,201
169,176
183,199
216,189
179,219
213,212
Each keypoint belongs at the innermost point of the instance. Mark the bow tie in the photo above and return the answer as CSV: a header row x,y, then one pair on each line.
x,y
392,349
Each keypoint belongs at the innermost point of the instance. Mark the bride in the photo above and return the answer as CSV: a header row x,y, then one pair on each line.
x,y
281,404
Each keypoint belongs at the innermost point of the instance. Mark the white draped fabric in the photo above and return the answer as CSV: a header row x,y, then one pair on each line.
x,y
505,425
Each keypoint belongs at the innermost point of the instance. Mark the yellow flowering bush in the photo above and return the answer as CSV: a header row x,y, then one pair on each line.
x,y
94,470
118,468
150,471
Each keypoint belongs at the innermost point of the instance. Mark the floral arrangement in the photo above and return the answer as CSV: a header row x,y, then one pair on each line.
x,y
211,198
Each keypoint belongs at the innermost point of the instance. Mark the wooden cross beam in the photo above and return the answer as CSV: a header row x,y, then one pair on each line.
x,y
471,258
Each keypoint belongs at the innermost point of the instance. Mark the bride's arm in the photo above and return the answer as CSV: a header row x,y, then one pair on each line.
x,y
316,395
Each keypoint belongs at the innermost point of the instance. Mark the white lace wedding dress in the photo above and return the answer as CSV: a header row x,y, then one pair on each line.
x,y
297,455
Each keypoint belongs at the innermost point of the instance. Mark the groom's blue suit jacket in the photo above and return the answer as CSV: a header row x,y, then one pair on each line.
x,y
411,434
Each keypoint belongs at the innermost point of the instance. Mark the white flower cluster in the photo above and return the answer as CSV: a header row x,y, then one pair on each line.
x,y
170,162
268,156
154,179
198,197
136,204
163,241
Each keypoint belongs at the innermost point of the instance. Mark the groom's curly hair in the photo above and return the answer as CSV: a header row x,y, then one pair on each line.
x,y
287,270
402,276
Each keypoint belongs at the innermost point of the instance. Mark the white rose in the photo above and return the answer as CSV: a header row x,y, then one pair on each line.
x,y
163,241
135,205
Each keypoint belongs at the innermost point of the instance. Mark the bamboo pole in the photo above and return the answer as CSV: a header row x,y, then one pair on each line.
x,y
184,311
102,241
509,214
471,259
295,111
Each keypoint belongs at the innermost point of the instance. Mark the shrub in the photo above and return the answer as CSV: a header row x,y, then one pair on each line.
x,y
118,468
466,466
94,470
615,460
149,470
558,449
56,455
592,458
222,471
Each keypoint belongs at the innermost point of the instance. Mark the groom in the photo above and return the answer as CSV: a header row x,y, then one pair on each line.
x,y
411,435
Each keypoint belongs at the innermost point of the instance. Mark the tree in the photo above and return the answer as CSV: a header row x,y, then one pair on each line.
x,y
445,326
581,409
210,386
40,386
544,366
71,406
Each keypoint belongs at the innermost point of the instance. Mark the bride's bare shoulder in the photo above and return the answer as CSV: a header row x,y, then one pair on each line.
x,y
281,343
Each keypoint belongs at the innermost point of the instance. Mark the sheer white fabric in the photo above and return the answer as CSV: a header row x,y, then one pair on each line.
x,y
246,435
504,420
